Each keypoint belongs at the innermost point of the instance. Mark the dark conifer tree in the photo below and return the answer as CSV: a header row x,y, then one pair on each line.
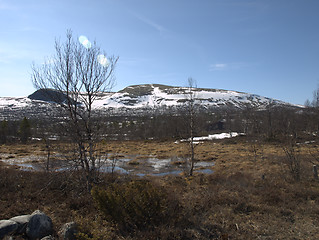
x,y
25,130
3,131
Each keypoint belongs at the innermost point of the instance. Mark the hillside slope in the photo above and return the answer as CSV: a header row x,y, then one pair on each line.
x,y
137,99
155,95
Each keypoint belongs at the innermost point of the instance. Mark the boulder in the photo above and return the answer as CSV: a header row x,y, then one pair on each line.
x,y
8,238
68,231
48,238
7,227
22,221
39,226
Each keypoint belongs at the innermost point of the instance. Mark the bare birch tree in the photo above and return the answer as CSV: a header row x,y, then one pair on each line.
x,y
79,71
190,97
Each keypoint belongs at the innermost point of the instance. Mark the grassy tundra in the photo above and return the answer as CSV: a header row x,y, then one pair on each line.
x,y
252,194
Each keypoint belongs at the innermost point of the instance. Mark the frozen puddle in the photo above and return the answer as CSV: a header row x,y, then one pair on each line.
x,y
123,164
158,164
110,169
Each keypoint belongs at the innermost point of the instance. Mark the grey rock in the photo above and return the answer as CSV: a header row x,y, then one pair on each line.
x,y
39,226
8,238
23,221
7,227
48,238
68,231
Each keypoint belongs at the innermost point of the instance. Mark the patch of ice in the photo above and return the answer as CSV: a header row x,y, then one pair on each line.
x,y
158,164
205,171
109,169
204,164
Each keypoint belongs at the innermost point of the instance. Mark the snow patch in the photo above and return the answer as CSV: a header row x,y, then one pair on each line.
x,y
213,137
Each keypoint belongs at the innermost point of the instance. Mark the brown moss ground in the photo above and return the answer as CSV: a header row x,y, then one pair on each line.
x,y
245,197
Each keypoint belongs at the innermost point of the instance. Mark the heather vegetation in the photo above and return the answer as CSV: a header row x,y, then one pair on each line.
x,y
253,192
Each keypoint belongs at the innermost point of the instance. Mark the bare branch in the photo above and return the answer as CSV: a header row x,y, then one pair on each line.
x,y
77,78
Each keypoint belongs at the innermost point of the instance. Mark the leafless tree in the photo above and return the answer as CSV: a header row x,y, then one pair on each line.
x,y
315,100
307,103
292,159
79,72
191,111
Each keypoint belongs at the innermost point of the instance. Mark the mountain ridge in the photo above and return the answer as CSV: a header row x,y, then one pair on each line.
x,y
138,99
147,95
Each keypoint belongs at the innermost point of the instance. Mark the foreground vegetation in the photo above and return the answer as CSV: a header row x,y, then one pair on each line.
x,y
252,194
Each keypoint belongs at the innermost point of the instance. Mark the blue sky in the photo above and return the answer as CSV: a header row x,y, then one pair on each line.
x,y
266,47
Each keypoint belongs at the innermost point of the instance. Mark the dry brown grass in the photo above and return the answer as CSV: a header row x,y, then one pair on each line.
x,y
245,197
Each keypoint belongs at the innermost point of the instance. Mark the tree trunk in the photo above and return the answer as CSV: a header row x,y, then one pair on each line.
x,y
315,172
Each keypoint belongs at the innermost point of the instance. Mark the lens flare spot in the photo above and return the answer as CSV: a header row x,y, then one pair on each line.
x,y
103,60
85,42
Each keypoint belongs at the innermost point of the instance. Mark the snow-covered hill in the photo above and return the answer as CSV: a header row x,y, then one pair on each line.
x,y
138,99
155,95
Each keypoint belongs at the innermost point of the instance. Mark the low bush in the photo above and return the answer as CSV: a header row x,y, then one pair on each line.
x,y
137,204
94,228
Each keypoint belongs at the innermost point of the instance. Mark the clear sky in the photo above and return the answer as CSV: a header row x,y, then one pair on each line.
x,y
266,47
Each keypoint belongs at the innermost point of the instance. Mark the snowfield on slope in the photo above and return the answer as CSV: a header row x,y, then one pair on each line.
x,y
152,96
14,102
160,98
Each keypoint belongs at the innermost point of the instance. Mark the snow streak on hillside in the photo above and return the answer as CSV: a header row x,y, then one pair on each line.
x,y
150,96
137,100
11,102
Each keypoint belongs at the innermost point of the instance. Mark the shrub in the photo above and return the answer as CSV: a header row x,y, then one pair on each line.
x,y
94,229
134,205
293,161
